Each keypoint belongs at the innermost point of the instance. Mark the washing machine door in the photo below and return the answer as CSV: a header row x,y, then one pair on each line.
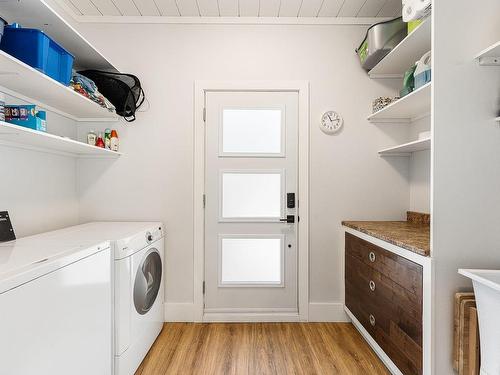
x,y
147,281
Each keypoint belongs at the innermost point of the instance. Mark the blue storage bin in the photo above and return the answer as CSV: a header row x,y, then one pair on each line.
x,y
39,51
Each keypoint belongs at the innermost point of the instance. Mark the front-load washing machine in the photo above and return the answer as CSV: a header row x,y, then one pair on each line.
x,y
139,291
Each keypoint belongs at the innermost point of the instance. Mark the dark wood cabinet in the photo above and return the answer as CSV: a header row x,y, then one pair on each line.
x,y
384,292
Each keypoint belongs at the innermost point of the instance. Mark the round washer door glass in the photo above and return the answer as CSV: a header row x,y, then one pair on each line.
x,y
147,282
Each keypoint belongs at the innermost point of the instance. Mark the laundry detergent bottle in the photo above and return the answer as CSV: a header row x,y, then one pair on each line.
x,y
114,142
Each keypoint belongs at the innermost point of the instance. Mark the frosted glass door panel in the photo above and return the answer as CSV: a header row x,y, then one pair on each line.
x,y
251,195
251,261
252,131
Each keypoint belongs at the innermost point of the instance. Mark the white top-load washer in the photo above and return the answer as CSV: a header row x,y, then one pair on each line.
x,y
138,252
55,307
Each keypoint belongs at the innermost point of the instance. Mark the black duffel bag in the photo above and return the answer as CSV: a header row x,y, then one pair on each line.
x,y
124,91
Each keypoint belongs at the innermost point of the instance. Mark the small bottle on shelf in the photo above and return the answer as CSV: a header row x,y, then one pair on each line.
x,y
107,138
100,142
114,141
91,138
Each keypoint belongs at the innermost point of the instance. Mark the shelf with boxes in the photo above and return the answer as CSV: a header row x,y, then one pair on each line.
x,y
410,61
26,83
39,50
409,50
37,14
20,136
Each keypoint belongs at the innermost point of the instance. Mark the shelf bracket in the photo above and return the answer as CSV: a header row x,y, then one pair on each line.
x,y
489,61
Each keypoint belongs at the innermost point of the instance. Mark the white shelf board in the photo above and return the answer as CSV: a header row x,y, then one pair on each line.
x,y
42,90
407,148
19,136
405,54
405,110
37,14
490,55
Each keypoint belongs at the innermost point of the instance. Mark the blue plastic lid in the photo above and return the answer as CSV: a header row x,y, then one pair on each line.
x,y
15,25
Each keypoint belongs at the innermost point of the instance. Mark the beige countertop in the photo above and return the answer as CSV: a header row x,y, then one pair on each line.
x,y
413,234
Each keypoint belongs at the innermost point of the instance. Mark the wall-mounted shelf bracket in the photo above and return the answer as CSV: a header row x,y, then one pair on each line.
x,y
489,61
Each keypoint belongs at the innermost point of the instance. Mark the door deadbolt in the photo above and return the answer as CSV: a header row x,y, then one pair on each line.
x,y
290,219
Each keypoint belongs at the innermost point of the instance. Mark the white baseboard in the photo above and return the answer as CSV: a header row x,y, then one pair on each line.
x,y
179,312
250,317
327,312
318,312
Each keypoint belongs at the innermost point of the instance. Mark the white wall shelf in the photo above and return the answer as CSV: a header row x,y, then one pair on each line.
x,y
39,15
407,149
490,55
37,88
18,136
404,55
407,109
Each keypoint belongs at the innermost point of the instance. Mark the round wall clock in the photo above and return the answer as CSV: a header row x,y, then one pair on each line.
x,y
331,122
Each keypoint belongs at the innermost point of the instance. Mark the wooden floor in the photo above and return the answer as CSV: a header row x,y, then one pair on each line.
x,y
260,349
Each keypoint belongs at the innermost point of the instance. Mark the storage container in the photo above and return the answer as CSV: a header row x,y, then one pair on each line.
x,y
380,39
412,25
422,72
27,116
38,50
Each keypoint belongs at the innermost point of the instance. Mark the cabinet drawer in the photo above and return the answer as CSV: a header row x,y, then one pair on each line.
x,y
372,285
401,270
394,341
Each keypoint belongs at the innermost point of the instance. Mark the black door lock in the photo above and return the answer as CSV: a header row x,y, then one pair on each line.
x,y
290,219
290,200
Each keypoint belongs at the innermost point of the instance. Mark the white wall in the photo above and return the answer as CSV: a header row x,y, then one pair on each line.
x,y
420,181
420,170
37,188
466,160
154,180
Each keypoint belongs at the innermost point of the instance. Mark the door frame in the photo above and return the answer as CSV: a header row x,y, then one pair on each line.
x,y
302,89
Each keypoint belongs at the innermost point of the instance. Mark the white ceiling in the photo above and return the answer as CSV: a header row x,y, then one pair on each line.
x,y
235,8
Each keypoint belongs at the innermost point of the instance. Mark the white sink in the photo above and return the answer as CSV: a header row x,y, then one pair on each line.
x,y
487,291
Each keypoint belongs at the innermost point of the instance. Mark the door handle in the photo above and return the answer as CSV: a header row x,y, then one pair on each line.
x,y
290,219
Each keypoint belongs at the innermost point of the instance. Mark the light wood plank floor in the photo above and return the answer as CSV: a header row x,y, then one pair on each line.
x,y
260,349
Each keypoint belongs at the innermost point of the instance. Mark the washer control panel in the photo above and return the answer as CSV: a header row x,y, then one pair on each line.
x,y
128,246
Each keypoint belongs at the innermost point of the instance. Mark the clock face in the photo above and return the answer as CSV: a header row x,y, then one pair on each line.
x,y
331,122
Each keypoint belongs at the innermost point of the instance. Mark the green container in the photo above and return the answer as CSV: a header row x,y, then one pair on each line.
x,y
408,82
379,40
412,25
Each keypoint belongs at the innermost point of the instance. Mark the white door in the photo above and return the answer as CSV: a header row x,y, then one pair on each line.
x,y
251,188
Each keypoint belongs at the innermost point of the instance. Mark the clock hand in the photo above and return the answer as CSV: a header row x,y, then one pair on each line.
x,y
330,118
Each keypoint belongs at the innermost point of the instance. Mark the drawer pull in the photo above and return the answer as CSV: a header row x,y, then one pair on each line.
x,y
372,285
371,256
372,320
